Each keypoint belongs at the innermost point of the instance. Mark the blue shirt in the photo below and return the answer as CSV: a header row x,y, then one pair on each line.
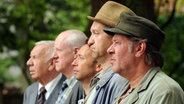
x,y
108,87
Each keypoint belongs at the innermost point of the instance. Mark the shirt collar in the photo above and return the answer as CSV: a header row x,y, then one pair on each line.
x,y
144,83
69,81
51,85
103,77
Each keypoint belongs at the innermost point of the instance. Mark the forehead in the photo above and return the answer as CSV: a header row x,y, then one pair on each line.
x,y
38,50
85,51
59,42
97,26
118,37
121,39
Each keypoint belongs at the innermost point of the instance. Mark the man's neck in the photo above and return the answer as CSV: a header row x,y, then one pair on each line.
x,y
68,76
134,83
104,61
138,76
86,85
45,80
68,73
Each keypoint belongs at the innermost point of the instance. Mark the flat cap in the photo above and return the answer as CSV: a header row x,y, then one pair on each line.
x,y
137,26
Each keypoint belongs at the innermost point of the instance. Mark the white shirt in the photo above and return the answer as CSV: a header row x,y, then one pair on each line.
x,y
50,86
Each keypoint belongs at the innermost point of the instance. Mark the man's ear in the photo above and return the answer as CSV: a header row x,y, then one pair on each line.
x,y
51,65
98,67
140,49
76,50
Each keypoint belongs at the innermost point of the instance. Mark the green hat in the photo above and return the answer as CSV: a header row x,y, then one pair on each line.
x,y
136,26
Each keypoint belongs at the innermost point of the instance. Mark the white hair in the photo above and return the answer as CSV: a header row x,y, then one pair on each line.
x,y
50,45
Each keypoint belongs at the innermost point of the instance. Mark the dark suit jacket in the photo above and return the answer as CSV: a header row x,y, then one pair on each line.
x,y
31,93
76,94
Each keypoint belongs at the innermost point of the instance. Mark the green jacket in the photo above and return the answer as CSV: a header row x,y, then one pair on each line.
x,y
155,88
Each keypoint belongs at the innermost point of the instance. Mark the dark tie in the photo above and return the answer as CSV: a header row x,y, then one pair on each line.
x,y
61,93
41,96
64,86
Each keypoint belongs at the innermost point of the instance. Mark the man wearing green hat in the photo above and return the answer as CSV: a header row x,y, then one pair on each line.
x,y
135,55
105,85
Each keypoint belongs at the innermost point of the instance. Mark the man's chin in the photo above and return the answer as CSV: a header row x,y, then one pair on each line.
x,y
57,69
33,77
115,69
95,55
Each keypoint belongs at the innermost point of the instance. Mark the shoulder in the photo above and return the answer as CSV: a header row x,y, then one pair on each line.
x,y
163,81
116,77
163,85
77,89
32,87
118,80
78,86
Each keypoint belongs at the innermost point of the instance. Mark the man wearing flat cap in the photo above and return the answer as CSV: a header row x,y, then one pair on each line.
x,y
135,55
105,85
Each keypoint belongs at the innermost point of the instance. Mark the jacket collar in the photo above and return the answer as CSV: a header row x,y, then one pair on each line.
x,y
105,77
145,82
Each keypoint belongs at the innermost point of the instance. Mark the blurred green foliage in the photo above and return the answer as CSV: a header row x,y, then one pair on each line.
x,y
23,22
173,48
4,76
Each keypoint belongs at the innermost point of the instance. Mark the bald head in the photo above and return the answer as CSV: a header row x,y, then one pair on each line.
x,y
72,38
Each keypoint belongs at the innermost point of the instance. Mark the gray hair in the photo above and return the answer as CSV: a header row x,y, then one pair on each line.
x,y
153,55
49,44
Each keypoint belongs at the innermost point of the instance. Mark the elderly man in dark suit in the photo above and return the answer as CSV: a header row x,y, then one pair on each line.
x,y
42,69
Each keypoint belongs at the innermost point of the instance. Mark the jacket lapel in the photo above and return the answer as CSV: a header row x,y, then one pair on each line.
x,y
34,93
54,95
144,83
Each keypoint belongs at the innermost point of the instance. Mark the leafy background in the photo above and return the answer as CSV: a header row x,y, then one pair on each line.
x,y
23,22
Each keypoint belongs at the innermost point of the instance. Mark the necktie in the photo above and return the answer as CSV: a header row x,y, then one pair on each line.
x,y
60,97
41,96
64,86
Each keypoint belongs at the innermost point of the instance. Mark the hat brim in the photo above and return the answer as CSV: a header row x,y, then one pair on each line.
x,y
113,31
104,21
91,18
